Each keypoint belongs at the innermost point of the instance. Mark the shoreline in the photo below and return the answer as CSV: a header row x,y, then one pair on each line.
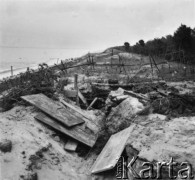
x,y
33,58
6,74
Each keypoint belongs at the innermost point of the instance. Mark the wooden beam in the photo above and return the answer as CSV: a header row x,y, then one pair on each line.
x,y
81,133
53,109
137,95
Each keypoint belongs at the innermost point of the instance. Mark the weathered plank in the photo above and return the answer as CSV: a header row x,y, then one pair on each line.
x,y
71,145
54,109
112,151
81,132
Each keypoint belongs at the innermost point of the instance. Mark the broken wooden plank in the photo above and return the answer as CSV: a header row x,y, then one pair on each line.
x,y
74,108
53,109
81,132
137,95
112,151
71,145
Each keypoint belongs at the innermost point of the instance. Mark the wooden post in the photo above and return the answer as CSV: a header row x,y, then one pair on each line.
x,y
169,67
151,65
11,70
92,62
75,81
76,88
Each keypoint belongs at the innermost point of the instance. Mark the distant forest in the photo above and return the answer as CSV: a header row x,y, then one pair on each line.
x,y
171,47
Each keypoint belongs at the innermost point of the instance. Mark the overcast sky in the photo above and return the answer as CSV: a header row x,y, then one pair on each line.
x,y
90,23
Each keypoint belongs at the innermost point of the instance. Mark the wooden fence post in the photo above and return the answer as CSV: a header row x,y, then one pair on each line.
x,y
76,88
11,70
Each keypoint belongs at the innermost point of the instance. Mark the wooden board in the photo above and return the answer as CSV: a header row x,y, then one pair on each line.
x,y
112,151
81,132
71,145
55,110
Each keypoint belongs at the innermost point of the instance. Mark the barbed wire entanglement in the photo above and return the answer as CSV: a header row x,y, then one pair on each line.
x,y
140,68
115,64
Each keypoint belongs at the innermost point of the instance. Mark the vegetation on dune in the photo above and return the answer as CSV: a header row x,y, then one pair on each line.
x,y
44,80
30,82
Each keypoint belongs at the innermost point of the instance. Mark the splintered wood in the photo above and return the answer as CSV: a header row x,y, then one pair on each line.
x,y
53,109
112,151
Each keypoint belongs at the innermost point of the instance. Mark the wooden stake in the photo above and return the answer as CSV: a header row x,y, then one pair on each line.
x,y
76,88
151,65
11,70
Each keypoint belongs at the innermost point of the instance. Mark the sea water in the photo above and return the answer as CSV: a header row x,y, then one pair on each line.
x,y
21,58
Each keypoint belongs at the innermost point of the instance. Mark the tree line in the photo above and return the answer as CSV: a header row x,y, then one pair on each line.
x,y
182,41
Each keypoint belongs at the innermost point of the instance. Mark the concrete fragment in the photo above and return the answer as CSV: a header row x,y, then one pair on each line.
x,y
120,117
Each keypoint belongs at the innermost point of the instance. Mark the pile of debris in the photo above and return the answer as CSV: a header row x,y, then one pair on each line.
x,y
134,121
144,131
